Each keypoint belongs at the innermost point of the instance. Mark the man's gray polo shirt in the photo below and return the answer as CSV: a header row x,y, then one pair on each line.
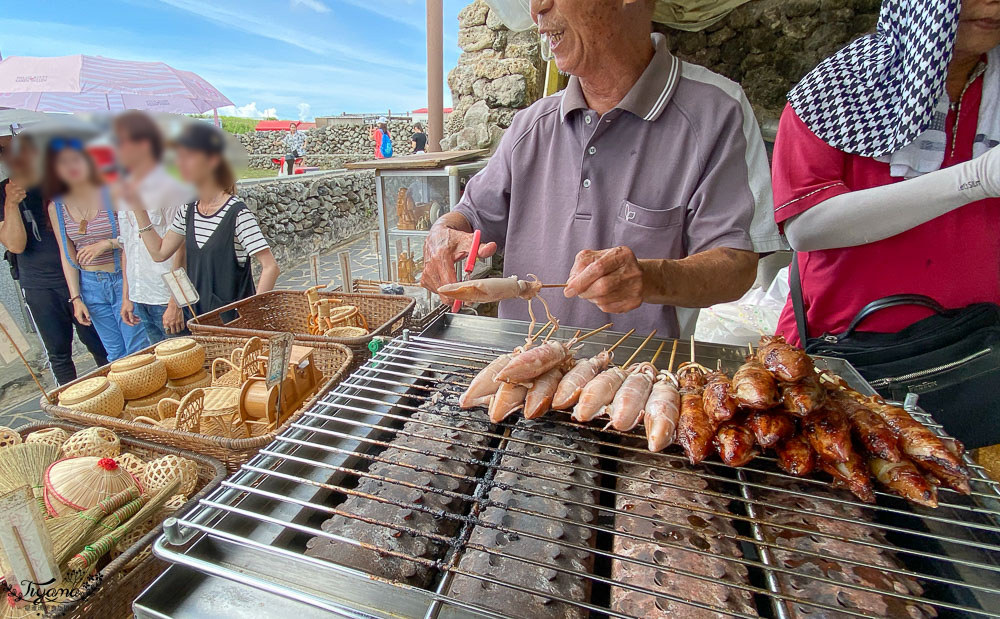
x,y
677,168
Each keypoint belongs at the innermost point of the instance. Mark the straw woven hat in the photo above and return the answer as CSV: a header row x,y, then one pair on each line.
x,y
75,484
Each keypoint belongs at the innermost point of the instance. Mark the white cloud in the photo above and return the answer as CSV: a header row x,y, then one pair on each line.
x,y
248,111
304,109
315,5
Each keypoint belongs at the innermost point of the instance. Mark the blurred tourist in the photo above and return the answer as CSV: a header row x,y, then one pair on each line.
x,y
383,140
418,141
147,300
294,145
218,231
34,256
81,213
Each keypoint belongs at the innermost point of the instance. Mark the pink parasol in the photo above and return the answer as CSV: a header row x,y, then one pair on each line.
x,y
93,84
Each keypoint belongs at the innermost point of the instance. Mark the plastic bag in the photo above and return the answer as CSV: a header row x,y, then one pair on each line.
x,y
515,14
743,322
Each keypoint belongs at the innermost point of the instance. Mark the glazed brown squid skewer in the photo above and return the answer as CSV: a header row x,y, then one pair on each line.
x,y
695,429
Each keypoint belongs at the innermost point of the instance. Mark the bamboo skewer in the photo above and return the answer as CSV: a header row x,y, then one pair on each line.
x,y
673,355
553,285
657,354
595,332
639,349
619,342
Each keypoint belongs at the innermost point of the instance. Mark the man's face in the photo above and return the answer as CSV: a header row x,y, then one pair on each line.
x,y
579,32
129,151
978,27
20,159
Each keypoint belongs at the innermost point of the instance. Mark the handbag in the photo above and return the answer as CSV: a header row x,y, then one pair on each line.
x,y
951,360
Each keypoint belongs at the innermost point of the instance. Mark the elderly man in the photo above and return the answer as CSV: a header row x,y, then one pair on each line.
x,y
645,182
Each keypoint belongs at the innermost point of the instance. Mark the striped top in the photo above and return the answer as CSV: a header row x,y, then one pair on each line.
x,y
98,229
248,239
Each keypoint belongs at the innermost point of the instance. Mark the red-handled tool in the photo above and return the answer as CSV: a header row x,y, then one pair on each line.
x,y
470,265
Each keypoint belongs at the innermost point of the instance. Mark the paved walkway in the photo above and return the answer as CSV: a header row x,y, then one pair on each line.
x,y
364,265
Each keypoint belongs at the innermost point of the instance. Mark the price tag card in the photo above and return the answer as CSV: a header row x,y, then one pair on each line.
x,y
25,540
345,271
314,265
15,337
181,288
280,350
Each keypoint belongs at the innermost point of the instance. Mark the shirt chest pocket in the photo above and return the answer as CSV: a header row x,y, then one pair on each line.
x,y
650,233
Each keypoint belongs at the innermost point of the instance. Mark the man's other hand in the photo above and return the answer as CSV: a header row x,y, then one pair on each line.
x,y
611,279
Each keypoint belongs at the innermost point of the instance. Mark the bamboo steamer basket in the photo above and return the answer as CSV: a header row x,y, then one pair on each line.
x,y
182,356
97,395
48,436
187,384
147,406
138,375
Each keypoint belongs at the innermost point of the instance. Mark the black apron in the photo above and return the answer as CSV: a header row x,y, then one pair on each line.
x,y
213,268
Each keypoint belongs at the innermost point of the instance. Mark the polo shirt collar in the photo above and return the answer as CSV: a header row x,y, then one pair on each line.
x,y
648,97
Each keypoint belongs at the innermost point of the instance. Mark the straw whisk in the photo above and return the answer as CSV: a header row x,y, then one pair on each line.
x,y
69,532
25,465
88,557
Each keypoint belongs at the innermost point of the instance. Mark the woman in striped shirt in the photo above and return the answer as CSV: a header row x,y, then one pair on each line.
x,y
218,231
80,212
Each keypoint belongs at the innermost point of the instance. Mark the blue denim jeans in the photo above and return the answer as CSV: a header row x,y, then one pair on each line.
x,y
152,321
102,294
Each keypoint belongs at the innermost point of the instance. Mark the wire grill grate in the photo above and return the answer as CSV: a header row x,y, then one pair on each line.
x,y
547,518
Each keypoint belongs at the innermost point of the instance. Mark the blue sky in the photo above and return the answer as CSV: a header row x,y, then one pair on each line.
x,y
300,58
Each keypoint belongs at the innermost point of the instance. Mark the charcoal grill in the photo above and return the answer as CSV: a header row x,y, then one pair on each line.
x,y
249,542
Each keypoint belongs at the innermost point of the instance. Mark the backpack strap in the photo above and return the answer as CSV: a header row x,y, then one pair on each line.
x,y
798,304
113,220
62,232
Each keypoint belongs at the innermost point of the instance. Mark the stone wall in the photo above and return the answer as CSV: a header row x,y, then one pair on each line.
x,y
498,73
327,147
303,215
768,45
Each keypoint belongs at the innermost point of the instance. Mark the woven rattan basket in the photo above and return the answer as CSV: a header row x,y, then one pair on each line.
x,y
282,311
117,586
182,356
138,375
331,360
184,386
147,406
96,395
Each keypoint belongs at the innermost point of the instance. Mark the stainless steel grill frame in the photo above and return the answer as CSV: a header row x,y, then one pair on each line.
x,y
252,529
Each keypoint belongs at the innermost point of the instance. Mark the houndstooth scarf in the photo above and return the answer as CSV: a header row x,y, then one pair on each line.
x,y
880,92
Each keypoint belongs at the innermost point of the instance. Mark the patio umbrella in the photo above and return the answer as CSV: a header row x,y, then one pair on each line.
x,y
96,84
12,121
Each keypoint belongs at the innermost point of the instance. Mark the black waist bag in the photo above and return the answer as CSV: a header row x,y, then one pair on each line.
x,y
951,360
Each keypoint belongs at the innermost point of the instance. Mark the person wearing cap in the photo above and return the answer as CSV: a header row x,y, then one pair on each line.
x,y
887,172
35,260
218,231
644,185
294,145
380,134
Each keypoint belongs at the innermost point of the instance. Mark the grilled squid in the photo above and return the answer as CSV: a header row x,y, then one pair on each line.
x,y
788,363
485,384
492,290
695,429
508,398
803,397
539,397
754,386
873,433
829,434
904,479
770,428
627,406
795,456
598,393
718,401
531,364
852,474
663,408
734,442
572,384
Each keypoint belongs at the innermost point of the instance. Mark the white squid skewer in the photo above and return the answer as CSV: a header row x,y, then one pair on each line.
x,y
663,408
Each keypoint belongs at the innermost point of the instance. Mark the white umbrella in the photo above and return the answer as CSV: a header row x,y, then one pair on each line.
x,y
12,121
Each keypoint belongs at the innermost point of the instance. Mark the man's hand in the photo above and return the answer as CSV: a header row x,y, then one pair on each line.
x,y
611,279
128,189
88,254
442,249
15,193
128,313
173,318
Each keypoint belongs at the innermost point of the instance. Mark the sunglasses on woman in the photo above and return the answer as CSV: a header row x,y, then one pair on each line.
x,y
60,144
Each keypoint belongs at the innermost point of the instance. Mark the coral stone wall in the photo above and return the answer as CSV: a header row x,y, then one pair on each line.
x,y
327,147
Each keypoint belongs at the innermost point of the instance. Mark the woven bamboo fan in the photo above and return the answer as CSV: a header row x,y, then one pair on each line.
x,y
96,441
9,437
163,470
76,484
48,436
138,375
182,356
96,395
147,406
184,386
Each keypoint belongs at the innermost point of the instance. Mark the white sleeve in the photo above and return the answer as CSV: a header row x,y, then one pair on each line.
x,y
882,212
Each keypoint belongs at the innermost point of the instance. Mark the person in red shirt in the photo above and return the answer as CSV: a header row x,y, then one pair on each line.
x,y
886,174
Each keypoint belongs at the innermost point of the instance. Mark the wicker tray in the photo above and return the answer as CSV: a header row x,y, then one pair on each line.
x,y
332,360
112,598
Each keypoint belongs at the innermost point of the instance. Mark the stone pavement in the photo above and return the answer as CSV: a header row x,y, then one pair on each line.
x,y
364,265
